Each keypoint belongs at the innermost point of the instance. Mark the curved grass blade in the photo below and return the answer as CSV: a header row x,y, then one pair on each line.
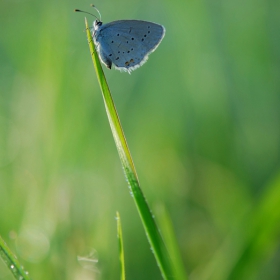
x,y
121,250
156,242
263,234
168,233
12,263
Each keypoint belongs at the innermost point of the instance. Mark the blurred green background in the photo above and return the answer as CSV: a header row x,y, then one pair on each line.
x,y
202,120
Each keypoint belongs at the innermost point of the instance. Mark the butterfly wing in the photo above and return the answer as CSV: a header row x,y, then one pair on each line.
x,y
127,43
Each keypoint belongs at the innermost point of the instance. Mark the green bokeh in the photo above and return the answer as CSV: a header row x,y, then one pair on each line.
x,y
202,120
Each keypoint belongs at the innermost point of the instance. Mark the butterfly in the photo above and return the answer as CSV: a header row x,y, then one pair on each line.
x,y
126,44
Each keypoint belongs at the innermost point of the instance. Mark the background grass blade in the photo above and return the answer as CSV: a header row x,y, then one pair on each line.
x,y
168,233
263,233
12,263
121,250
150,227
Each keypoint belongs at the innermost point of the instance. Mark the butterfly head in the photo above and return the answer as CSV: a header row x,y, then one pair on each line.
x,y
96,24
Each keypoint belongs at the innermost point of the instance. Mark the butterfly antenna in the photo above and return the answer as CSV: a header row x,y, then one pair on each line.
x,y
93,6
77,10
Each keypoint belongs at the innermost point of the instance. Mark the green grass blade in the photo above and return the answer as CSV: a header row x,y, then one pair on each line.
x,y
121,250
12,263
156,242
168,233
263,234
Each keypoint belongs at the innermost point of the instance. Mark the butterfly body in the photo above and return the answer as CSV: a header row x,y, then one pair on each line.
x,y
126,44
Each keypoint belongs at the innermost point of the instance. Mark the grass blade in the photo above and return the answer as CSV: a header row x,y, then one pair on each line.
x,y
156,242
121,250
263,233
12,263
168,233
